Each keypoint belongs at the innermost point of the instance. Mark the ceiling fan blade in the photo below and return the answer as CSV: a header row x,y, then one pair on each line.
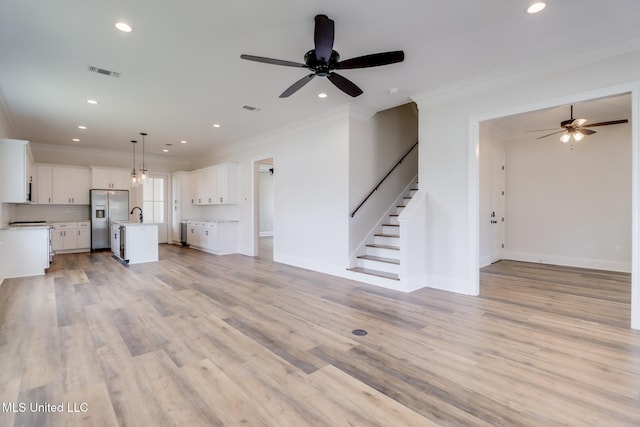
x,y
578,122
586,131
272,61
373,60
323,37
613,122
344,84
560,131
297,85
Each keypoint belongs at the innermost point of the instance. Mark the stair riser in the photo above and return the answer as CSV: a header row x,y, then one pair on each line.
x,y
377,265
399,210
383,252
390,230
391,241
392,220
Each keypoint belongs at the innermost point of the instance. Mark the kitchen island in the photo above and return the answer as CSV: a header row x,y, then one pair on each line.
x,y
134,242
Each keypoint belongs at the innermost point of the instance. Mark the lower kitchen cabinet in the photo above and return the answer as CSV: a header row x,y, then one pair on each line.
x,y
216,237
69,237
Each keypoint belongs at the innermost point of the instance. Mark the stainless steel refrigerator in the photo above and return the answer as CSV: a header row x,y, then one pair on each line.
x,y
106,206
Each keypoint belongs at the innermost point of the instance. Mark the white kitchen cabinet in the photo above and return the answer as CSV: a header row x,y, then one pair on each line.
x,y
16,171
67,237
226,184
195,233
110,179
70,186
44,191
62,185
203,187
216,185
64,236
216,237
84,235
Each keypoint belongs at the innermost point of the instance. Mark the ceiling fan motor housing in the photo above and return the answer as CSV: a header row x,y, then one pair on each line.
x,y
321,68
566,124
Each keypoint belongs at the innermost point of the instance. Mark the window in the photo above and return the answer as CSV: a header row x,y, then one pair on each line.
x,y
153,200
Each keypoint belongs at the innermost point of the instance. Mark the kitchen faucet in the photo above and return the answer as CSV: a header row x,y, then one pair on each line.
x,y
140,209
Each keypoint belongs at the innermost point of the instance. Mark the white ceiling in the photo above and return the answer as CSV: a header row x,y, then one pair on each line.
x,y
181,69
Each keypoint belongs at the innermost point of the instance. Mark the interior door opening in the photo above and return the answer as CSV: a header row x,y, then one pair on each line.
x,y
264,208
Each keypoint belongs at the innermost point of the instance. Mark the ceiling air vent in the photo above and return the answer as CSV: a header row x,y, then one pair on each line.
x,y
103,71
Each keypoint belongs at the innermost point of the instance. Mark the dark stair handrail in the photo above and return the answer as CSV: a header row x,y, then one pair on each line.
x,y
383,179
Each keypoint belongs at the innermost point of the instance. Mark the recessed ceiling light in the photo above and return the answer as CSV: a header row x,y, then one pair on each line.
x,y
322,95
183,142
75,140
165,151
92,101
536,7
392,91
123,26
216,125
82,127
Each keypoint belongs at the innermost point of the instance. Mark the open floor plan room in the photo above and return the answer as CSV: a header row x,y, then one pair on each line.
x,y
198,339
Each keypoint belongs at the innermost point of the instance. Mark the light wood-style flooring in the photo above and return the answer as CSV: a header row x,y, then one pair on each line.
x,y
204,340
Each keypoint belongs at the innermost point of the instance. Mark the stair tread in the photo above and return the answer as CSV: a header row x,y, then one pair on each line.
x,y
387,235
380,259
394,248
371,272
391,225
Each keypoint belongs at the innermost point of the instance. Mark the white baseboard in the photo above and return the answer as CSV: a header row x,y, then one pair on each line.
x,y
266,234
459,286
597,264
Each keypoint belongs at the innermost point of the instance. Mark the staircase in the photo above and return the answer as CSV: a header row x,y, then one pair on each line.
x,y
382,257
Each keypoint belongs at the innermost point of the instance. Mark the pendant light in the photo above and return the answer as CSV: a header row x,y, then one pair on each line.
x,y
143,166
134,175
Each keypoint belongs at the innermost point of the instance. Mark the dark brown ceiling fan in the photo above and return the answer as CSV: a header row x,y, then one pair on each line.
x,y
574,129
322,60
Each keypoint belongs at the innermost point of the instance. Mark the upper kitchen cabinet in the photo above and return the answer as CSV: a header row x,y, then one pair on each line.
x,y
16,164
226,184
44,190
62,185
110,179
70,186
216,185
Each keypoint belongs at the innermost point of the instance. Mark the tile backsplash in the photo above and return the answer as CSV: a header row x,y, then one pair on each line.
x,y
52,213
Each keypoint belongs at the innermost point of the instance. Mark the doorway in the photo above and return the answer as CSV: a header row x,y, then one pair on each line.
x,y
264,208
601,230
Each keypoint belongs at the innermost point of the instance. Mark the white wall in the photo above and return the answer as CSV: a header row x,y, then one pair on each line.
x,y
571,207
311,191
449,143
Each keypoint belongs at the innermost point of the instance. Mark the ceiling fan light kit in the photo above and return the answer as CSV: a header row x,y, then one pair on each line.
x,y
323,60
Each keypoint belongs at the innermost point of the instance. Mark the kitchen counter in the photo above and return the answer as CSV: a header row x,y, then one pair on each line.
x,y
134,242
